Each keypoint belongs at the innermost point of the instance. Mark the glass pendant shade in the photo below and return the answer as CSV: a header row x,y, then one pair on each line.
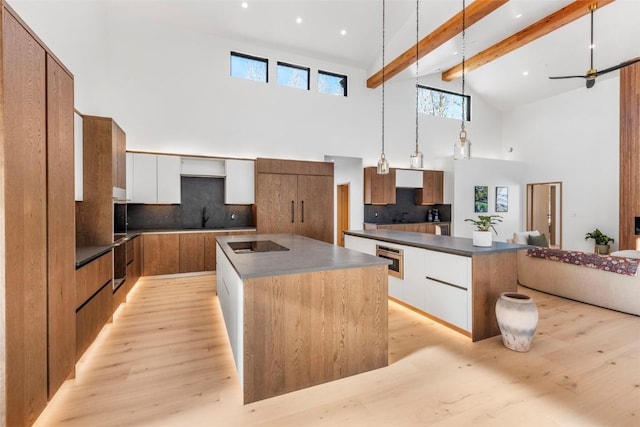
x,y
383,165
415,161
462,147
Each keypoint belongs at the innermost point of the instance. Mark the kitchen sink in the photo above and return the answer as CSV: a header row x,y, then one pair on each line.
x,y
253,246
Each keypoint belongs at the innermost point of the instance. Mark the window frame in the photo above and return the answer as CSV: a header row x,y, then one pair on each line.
x,y
466,97
329,73
297,67
253,58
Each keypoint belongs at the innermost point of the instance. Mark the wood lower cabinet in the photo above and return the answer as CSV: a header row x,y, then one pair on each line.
x,y
134,262
161,254
421,227
94,300
295,197
192,253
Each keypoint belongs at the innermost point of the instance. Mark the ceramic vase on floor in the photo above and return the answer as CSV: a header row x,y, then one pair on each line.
x,y
517,318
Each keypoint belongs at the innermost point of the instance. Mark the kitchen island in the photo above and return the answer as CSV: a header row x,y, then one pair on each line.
x,y
447,278
300,312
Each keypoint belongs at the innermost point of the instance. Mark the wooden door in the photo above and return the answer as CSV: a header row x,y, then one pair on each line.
x,y
343,212
192,252
315,207
540,209
276,203
60,220
161,254
25,223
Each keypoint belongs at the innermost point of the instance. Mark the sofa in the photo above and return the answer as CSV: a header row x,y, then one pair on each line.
x,y
611,282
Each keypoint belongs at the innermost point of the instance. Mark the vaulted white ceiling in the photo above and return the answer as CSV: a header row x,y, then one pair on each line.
x,y
501,82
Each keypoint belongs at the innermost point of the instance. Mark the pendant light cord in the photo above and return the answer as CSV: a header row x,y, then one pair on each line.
x,y
417,67
464,26
383,22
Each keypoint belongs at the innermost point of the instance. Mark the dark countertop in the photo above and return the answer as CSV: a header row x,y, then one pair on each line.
x,y
304,255
86,254
448,244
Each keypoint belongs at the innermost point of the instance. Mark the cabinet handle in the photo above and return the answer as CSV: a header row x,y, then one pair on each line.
x,y
302,211
293,211
445,283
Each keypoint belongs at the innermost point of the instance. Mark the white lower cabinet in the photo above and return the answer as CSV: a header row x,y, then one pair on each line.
x,y
231,298
448,303
415,287
396,288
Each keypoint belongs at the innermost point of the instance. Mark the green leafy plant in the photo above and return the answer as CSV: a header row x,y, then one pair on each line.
x,y
601,239
485,222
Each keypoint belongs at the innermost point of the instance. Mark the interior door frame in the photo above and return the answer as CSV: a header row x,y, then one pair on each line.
x,y
558,186
342,217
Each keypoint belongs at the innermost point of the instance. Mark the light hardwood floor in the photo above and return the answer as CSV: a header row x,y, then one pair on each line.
x,y
166,361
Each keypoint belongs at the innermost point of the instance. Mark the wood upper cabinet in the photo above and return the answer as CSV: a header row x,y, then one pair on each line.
x,y
432,191
379,189
161,254
104,174
295,197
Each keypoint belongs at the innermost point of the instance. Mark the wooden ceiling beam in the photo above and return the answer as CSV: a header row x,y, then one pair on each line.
x,y
567,14
445,32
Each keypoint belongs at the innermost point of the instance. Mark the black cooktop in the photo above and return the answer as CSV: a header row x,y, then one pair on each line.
x,y
252,246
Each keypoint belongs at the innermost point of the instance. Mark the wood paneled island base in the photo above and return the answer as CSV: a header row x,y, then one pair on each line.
x,y
307,329
302,316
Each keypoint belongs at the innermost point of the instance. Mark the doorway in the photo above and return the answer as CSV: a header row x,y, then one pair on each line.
x,y
544,211
343,212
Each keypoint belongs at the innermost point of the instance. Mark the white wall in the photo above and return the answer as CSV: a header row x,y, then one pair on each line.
x,y
76,32
492,173
348,170
573,138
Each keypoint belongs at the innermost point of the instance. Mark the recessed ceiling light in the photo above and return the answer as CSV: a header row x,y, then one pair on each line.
x,y
299,20
518,16
245,5
525,73
455,53
343,32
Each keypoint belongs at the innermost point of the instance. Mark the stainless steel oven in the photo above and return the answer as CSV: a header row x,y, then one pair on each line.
x,y
396,269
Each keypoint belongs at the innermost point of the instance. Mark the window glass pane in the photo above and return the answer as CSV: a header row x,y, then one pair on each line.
x,y
293,76
333,84
441,103
249,67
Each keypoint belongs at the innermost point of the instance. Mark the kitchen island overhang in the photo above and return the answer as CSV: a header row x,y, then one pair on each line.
x,y
301,317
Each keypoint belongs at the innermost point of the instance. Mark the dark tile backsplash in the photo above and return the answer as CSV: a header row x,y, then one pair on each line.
x,y
405,210
198,193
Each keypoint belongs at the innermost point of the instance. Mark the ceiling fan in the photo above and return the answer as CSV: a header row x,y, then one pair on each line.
x,y
592,73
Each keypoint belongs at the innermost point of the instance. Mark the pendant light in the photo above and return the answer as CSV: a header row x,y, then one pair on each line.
x,y
383,163
462,148
416,159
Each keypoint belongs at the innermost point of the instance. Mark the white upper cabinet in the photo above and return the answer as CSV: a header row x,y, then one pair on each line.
x,y
200,166
168,179
239,184
153,178
77,156
408,178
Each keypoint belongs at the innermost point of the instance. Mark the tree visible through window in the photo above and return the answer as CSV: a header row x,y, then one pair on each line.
x,y
293,76
441,103
249,67
333,84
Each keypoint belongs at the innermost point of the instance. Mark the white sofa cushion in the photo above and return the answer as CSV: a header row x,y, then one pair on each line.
x,y
521,236
627,254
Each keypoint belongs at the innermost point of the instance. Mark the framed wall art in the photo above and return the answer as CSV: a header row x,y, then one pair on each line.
x,y
502,199
481,202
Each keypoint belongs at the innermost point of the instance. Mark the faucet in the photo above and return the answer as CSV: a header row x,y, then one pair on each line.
x,y
205,218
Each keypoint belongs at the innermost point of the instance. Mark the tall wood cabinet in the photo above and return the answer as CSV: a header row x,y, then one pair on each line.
x,y
629,156
295,197
37,198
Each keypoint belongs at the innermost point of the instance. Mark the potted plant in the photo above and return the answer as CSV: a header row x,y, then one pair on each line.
x,y
602,241
484,224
